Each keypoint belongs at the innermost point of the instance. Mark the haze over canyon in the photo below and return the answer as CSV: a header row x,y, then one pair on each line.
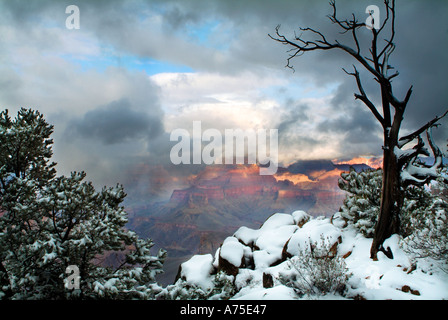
x,y
191,212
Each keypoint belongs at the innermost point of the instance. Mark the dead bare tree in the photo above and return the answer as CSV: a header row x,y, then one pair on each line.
x,y
401,167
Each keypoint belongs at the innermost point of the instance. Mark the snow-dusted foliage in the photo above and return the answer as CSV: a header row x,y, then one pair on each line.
x,y
415,169
48,224
316,270
423,208
427,227
362,204
221,287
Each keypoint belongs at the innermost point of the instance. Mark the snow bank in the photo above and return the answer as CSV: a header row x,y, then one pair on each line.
x,y
198,270
268,251
276,293
313,232
398,278
270,239
250,236
233,251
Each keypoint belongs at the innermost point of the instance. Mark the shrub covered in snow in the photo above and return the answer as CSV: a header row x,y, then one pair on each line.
x,y
427,227
316,270
198,280
221,288
424,221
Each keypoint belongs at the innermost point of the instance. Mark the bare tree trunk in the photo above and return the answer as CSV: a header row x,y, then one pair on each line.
x,y
391,201
388,222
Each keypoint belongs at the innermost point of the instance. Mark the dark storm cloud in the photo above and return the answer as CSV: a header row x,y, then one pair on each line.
x,y
357,125
117,122
295,115
177,18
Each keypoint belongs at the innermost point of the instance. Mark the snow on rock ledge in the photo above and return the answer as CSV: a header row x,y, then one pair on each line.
x,y
253,255
232,255
198,270
280,237
314,232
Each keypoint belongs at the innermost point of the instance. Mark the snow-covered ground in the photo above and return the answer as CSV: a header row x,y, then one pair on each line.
x,y
272,248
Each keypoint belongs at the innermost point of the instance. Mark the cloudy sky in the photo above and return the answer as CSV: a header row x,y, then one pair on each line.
x,y
136,70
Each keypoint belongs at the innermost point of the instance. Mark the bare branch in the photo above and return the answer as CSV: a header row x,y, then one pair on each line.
x,y
344,24
399,105
363,96
438,155
391,9
396,74
406,139
321,43
355,38
302,46
386,2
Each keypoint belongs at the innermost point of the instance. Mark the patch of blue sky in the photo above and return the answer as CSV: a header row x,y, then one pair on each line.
x,y
153,66
211,33
128,62
299,88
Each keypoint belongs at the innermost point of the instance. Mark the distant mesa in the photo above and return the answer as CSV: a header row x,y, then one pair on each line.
x,y
218,184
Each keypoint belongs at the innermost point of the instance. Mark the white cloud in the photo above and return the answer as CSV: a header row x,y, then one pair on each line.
x,y
218,100
247,101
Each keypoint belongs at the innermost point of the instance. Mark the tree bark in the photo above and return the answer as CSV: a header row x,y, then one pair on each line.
x,y
388,222
391,201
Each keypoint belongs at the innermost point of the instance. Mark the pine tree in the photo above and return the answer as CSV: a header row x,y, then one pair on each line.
x,y
51,223
25,145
